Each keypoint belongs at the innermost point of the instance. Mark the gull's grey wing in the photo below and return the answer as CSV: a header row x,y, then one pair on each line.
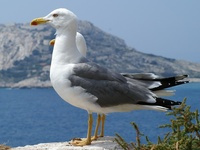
x,y
93,71
110,88
140,76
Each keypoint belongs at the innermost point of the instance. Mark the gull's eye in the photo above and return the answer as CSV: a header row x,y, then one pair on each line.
x,y
55,15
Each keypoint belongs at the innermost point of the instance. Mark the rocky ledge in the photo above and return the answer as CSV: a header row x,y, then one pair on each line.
x,y
105,143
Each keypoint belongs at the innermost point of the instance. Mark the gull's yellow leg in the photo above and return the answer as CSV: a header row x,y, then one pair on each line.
x,y
103,118
86,141
52,42
97,127
100,119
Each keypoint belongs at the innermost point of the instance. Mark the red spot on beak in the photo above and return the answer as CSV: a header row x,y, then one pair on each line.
x,y
34,23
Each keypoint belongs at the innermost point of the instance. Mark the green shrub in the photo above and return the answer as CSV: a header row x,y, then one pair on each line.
x,y
184,135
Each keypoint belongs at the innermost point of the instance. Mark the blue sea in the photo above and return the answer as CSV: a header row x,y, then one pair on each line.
x,y
32,116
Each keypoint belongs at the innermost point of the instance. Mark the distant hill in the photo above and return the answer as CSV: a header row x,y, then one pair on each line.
x,y
25,55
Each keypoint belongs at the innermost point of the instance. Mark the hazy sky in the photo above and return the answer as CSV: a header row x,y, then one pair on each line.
x,y
169,28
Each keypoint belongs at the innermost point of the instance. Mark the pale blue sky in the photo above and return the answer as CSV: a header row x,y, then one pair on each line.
x,y
169,28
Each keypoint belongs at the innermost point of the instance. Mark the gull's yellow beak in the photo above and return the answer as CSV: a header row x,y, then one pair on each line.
x,y
38,21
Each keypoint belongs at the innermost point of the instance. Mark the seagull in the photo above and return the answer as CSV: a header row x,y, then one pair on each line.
x,y
82,47
88,86
150,78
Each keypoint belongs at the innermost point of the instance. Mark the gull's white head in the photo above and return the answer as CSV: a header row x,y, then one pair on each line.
x,y
59,18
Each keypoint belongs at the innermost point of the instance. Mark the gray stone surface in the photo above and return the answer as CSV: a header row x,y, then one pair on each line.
x,y
105,143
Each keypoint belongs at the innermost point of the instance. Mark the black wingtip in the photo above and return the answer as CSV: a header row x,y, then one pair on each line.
x,y
171,81
177,103
162,102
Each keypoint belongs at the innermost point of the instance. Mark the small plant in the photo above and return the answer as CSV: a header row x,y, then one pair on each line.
x,y
184,135
132,145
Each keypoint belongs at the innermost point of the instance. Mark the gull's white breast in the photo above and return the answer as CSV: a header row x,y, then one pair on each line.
x,y
76,96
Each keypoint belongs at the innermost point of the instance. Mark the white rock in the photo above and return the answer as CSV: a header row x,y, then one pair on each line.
x,y
105,143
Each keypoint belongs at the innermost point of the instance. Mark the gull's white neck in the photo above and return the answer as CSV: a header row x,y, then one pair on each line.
x,y
65,50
